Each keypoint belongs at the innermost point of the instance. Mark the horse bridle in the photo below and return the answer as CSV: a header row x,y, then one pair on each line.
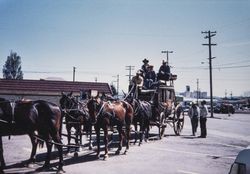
x,y
12,104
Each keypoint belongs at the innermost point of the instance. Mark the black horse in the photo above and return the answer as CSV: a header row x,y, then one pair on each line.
x,y
142,115
28,117
76,116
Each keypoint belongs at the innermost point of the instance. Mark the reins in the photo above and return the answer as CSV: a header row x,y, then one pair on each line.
x,y
4,121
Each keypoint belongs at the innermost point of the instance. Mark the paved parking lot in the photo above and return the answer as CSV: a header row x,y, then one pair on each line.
x,y
183,154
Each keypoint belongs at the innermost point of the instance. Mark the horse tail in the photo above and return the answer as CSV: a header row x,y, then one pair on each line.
x,y
129,110
45,112
39,135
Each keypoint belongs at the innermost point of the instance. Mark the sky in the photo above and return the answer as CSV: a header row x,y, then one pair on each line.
x,y
101,37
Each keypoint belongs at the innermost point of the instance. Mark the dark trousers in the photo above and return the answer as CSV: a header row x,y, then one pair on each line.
x,y
161,76
194,123
203,122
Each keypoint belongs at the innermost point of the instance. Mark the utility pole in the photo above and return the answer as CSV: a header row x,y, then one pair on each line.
x,y
129,68
117,84
197,91
209,35
167,52
74,72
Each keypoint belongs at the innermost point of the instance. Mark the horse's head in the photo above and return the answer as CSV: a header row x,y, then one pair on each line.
x,y
67,101
93,107
5,109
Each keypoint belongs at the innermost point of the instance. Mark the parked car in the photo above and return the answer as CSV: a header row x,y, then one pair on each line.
x,y
186,105
241,164
224,108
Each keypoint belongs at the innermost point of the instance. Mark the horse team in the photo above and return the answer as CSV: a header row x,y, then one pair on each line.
x,y
43,121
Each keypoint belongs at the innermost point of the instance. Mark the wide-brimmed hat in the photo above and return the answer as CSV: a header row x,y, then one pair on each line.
x,y
164,61
145,61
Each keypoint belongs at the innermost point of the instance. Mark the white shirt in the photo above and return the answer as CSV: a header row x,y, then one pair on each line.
x,y
203,111
192,112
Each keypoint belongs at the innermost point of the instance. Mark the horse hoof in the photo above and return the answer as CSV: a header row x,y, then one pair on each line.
x,y
30,165
45,167
2,165
105,156
60,171
125,152
75,154
117,152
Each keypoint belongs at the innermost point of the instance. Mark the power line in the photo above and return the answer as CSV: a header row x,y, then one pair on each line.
x,y
232,63
231,67
221,66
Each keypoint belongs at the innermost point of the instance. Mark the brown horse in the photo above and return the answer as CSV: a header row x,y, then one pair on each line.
x,y
106,114
28,117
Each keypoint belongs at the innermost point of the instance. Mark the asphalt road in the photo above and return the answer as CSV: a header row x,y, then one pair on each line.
x,y
183,154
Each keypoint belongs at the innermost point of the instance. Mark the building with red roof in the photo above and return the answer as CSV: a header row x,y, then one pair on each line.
x,y
49,90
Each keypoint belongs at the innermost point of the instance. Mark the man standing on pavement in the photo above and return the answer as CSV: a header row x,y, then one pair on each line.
x,y
194,114
203,119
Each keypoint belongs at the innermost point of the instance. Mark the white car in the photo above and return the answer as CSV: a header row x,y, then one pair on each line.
x,y
241,164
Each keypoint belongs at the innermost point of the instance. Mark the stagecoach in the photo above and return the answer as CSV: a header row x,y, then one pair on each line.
x,y
164,103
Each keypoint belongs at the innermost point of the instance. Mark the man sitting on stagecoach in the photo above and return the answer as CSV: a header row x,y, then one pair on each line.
x,y
144,67
150,77
137,82
164,71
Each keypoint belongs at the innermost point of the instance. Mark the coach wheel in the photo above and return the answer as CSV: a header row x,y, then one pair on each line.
x,y
162,126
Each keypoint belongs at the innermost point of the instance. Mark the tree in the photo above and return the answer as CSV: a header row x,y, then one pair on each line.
x,y
12,68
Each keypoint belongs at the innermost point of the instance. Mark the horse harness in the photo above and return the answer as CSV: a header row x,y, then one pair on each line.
x,y
111,114
81,111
